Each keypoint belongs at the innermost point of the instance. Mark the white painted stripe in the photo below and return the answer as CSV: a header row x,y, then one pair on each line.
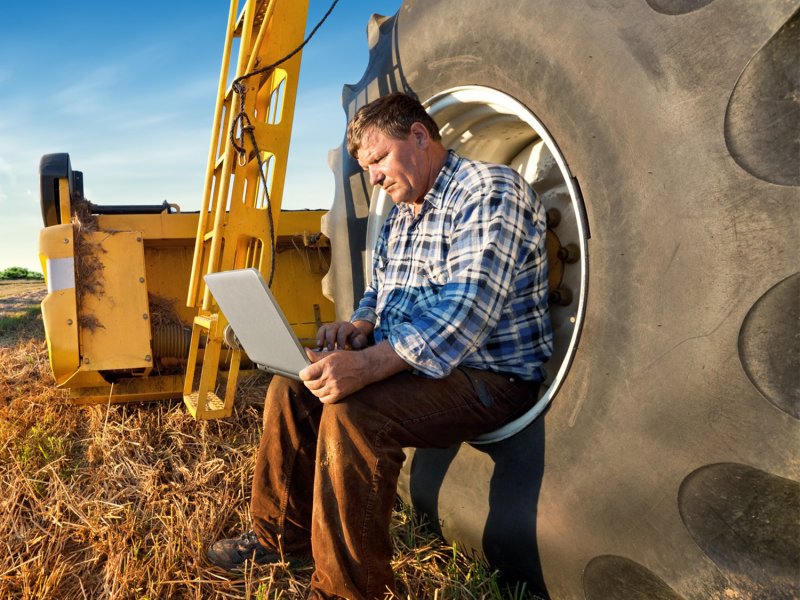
x,y
60,274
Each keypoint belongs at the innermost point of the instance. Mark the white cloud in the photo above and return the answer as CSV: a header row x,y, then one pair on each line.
x,y
20,246
89,95
5,167
7,181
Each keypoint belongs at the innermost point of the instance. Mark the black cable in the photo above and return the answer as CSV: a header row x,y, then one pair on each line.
x,y
236,82
243,121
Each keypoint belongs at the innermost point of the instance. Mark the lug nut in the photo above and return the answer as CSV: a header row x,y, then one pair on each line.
x,y
569,253
560,296
553,218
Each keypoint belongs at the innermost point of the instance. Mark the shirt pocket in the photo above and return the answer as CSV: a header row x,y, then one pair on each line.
x,y
433,275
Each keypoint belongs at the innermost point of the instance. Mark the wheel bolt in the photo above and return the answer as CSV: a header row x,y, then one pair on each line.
x,y
569,253
553,218
560,296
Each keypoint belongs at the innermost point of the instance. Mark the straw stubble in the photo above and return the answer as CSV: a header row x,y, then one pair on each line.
x,y
121,501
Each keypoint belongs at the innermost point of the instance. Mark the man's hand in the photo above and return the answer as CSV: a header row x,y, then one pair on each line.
x,y
344,335
335,375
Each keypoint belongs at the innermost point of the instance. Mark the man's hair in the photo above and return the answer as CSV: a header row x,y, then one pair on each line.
x,y
393,116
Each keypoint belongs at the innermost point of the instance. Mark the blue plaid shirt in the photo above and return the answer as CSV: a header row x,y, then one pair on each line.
x,y
465,281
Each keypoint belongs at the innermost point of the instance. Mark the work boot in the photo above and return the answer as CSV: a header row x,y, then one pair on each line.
x,y
230,554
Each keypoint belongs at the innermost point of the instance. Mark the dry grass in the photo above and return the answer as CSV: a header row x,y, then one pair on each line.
x,y
121,501
19,305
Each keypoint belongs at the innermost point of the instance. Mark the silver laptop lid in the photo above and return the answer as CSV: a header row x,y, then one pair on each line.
x,y
258,321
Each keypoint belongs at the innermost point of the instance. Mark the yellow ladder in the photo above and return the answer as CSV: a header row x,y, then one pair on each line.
x,y
233,230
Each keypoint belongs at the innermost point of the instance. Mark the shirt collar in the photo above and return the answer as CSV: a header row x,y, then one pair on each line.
x,y
434,195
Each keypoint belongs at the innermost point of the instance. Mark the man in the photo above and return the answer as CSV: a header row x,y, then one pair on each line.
x,y
457,309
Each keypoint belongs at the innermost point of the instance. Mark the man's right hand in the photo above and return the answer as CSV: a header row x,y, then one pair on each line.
x,y
344,335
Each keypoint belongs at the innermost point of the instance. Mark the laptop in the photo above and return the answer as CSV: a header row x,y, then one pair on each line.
x,y
258,322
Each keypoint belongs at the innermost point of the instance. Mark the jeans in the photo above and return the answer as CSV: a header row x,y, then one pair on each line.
x,y
325,480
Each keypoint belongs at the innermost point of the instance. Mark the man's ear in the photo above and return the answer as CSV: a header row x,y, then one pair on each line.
x,y
421,135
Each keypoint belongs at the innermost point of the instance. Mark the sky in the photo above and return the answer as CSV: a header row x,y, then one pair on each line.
x,y
129,90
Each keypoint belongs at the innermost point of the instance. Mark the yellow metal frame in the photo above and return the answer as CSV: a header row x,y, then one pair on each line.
x,y
110,331
233,226
76,359
122,313
146,263
59,307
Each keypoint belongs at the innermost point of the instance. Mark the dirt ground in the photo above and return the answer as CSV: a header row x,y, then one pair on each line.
x,y
20,315
18,296
121,501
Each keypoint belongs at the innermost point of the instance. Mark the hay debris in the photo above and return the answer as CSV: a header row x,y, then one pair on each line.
x,y
122,501
90,322
82,216
163,312
88,266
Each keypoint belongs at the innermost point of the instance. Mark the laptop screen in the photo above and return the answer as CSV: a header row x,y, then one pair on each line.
x,y
258,322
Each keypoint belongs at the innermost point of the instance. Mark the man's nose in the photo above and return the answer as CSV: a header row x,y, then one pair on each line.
x,y
375,175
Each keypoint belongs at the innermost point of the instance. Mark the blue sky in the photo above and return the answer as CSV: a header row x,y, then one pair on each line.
x,y
129,91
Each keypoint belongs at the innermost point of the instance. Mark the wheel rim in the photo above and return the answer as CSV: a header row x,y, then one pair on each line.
x,y
485,124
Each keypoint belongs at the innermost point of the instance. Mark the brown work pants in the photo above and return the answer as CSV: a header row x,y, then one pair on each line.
x,y
326,475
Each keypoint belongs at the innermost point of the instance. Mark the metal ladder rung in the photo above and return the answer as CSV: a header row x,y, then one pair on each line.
x,y
217,246
214,408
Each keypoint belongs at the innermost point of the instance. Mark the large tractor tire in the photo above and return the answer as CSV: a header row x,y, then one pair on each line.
x,y
662,460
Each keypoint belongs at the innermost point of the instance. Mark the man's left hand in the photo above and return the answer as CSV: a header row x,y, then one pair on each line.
x,y
334,375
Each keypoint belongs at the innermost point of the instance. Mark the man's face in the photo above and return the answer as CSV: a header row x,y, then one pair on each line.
x,y
400,166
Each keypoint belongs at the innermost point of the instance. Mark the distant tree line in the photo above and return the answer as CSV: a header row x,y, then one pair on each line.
x,y
19,273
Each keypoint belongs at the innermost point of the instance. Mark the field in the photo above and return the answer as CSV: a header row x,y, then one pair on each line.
x,y
121,501
19,301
